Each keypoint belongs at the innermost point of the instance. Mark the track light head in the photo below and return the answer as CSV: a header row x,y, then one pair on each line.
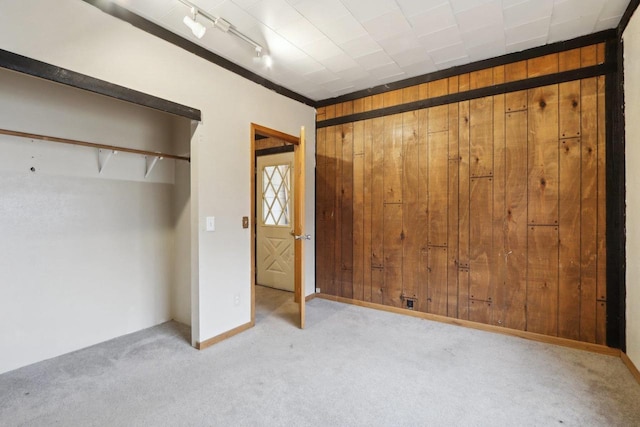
x,y
197,28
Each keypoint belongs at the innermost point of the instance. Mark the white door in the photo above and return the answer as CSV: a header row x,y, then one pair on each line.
x,y
274,240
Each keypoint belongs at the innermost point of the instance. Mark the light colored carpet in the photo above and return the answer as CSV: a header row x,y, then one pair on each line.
x,y
352,366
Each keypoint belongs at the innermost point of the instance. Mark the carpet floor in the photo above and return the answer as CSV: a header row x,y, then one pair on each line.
x,y
351,366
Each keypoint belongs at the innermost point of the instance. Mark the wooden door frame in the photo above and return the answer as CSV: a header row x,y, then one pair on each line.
x,y
298,206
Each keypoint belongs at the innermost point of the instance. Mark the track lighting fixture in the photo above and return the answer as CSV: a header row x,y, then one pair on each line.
x,y
199,29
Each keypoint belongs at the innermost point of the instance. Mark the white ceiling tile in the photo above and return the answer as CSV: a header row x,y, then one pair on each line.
x,y
448,53
613,8
462,5
399,44
480,52
531,30
605,24
527,11
446,37
339,63
387,25
569,10
322,49
305,65
527,44
353,74
482,16
411,57
234,14
339,87
300,33
510,3
388,70
493,34
453,62
415,7
322,76
433,21
365,10
420,68
360,46
579,26
322,12
274,13
245,4
343,29
374,59
154,9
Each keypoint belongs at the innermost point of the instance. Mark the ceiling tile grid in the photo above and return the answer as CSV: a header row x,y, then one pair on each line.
x,y
323,49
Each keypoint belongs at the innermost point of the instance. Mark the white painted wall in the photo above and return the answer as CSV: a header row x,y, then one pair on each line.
x,y
632,111
84,256
75,35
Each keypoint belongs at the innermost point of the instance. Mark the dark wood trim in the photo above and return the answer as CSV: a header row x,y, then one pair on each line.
x,y
616,195
587,40
626,17
137,21
289,148
565,76
22,64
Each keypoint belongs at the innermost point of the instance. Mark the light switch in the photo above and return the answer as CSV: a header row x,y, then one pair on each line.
x,y
245,222
211,223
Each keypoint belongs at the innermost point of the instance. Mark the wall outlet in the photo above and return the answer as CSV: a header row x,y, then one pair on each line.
x,y
236,299
318,291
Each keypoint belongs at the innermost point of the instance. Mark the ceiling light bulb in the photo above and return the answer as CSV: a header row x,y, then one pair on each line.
x,y
197,28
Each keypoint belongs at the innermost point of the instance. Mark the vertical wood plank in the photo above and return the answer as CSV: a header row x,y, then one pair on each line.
x,y
330,203
438,116
393,158
588,56
391,98
438,159
515,71
514,292
481,137
569,250
411,204
481,78
337,270
437,280
480,311
569,60
589,211
601,331
422,217
498,265
393,262
377,285
366,214
346,232
377,194
463,209
330,111
358,210
452,212
543,155
569,109
321,208
358,105
542,283
480,238
542,65
602,204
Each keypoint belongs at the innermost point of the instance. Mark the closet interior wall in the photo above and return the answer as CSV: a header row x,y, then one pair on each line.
x,y
490,210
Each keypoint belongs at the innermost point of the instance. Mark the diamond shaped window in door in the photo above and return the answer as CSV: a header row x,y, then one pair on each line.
x,y
275,195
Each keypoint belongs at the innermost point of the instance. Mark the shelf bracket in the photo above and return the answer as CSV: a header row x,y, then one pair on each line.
x,y
151,163
103,158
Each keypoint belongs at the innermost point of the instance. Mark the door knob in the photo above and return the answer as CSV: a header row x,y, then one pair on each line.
x,y
302,237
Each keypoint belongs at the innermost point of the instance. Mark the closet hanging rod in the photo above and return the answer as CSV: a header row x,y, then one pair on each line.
x,y
92,144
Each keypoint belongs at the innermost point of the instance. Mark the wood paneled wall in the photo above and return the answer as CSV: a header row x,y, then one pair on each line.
x,y
490,210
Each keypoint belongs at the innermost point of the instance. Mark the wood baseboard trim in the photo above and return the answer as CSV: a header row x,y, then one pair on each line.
x,y
310,297
235,331
629,364
564,342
